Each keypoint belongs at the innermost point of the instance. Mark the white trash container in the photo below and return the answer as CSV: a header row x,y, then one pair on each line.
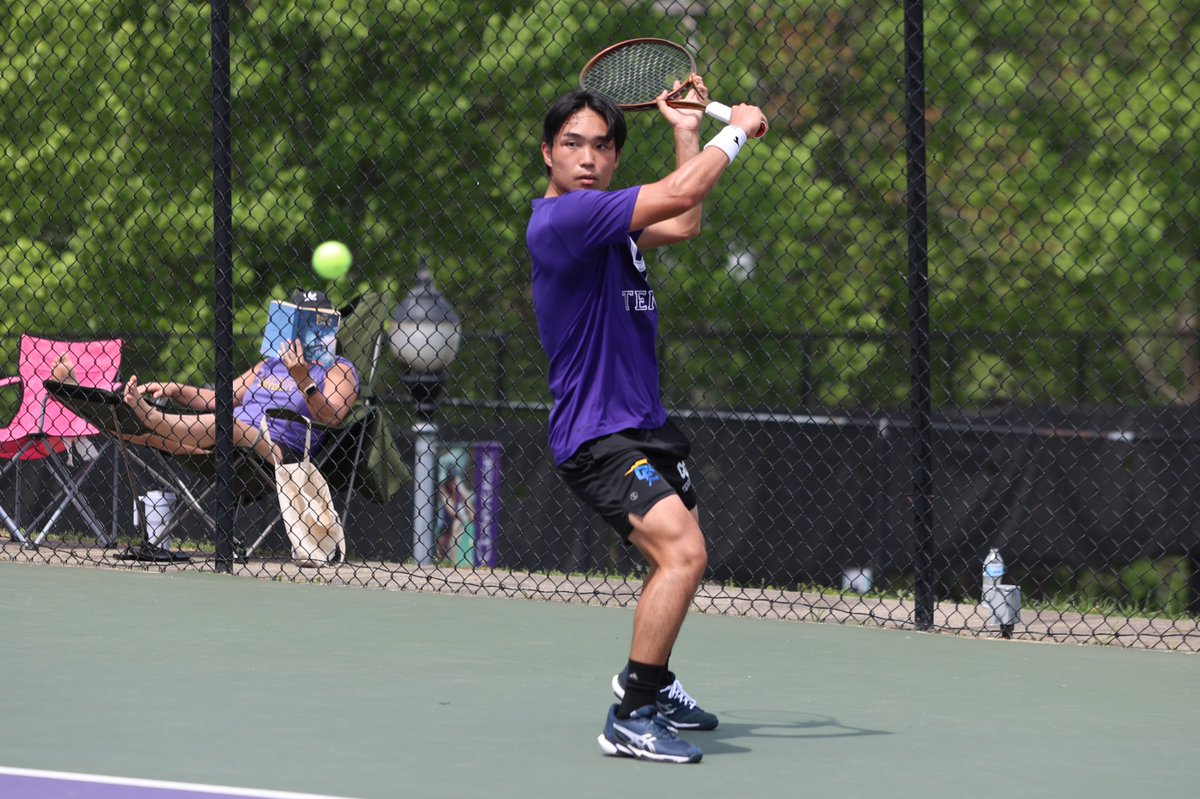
x,y
1004,602
158,507
859,579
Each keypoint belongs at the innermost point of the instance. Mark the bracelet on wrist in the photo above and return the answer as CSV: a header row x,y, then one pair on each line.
x,y
309,390
728,140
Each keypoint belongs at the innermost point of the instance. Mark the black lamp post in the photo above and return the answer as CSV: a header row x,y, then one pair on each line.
x,y
426,337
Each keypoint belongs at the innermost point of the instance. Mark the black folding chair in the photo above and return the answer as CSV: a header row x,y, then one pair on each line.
x,y
192,476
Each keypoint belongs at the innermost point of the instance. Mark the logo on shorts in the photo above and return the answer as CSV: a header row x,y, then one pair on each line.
x,y
681,467
643,471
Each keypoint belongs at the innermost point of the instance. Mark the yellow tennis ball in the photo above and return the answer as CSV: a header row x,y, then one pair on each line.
x,y
331,260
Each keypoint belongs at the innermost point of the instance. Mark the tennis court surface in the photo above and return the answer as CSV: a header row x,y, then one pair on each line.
x,y
34,784
165,685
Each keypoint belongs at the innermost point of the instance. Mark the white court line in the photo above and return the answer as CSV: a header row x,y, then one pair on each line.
x,y
220,790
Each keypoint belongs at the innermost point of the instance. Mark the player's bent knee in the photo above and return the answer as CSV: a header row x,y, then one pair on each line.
x,y
695,561
684,553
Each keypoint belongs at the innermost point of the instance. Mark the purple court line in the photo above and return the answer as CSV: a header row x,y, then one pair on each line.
x,y
19,783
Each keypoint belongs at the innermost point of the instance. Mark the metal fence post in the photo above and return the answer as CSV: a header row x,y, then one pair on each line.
x,y
223,280
918,309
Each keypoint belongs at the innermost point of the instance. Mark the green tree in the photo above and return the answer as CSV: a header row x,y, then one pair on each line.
x,y
1062,152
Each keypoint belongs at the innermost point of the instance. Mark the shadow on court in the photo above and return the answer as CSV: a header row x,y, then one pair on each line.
x,y
737,725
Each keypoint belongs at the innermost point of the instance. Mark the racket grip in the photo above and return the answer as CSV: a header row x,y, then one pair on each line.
x,y
723,113
719,111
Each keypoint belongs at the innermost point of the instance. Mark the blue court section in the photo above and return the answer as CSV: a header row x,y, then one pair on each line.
x,y
211,679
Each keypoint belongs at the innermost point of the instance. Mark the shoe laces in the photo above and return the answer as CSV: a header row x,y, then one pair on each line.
x,y
665,731
662,728
676,693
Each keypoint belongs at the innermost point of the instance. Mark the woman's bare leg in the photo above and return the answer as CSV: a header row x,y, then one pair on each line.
x,y
252,438
192,431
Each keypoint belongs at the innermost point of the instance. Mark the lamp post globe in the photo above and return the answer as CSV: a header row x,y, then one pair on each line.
x,y
425,335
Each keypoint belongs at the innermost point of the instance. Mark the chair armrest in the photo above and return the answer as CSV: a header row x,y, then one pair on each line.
x,y
8,381
288,415
102,408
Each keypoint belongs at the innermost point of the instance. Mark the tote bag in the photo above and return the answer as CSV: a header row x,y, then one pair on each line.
x,y
313,526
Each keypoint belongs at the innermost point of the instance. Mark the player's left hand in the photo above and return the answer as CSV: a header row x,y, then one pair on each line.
x,y
684,118
292,355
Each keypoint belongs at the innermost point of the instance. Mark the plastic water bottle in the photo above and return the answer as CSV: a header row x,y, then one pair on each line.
x,y
993,572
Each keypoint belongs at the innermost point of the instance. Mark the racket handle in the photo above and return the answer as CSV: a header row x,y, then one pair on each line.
x,y
718,111
723,113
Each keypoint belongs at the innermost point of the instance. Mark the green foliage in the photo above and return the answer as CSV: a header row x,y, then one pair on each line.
x,y
1146,587
1062,156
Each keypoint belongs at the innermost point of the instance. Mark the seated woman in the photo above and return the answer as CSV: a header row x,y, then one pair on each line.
x,y
289,381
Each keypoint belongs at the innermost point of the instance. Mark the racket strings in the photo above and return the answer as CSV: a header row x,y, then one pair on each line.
x,y
637,74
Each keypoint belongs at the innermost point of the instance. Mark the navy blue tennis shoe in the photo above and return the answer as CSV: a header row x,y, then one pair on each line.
x,y
645,736
675,707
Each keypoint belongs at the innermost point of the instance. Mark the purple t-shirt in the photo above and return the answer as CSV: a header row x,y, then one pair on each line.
x,y
596,315
273,387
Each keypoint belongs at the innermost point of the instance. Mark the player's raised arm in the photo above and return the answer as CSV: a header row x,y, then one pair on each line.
x,y
685,127
688,185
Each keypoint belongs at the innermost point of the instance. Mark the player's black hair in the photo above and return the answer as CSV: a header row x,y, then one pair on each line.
x,y
572,102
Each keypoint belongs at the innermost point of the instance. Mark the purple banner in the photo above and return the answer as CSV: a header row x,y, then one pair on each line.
x,y
487,510
467,525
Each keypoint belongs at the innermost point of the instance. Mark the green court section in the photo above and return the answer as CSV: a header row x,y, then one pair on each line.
x,y
382,694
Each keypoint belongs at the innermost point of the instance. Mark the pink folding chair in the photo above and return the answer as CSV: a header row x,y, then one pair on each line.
x,y
44,429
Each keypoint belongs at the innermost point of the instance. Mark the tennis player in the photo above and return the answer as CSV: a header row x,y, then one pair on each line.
x,y
609,435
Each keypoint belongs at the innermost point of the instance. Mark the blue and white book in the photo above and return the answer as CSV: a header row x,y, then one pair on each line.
x,y
316,328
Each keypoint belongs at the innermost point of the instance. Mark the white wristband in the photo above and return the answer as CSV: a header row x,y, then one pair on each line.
x,y
729,141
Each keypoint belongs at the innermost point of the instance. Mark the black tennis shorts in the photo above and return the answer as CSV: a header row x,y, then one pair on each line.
x,y
628,472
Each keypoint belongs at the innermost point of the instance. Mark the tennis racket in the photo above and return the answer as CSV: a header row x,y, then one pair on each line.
x,y
634,72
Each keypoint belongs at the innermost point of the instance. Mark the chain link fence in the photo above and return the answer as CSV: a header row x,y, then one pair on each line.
x,y
896,346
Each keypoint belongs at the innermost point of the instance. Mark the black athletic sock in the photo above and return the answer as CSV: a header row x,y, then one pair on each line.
x,y
642,682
